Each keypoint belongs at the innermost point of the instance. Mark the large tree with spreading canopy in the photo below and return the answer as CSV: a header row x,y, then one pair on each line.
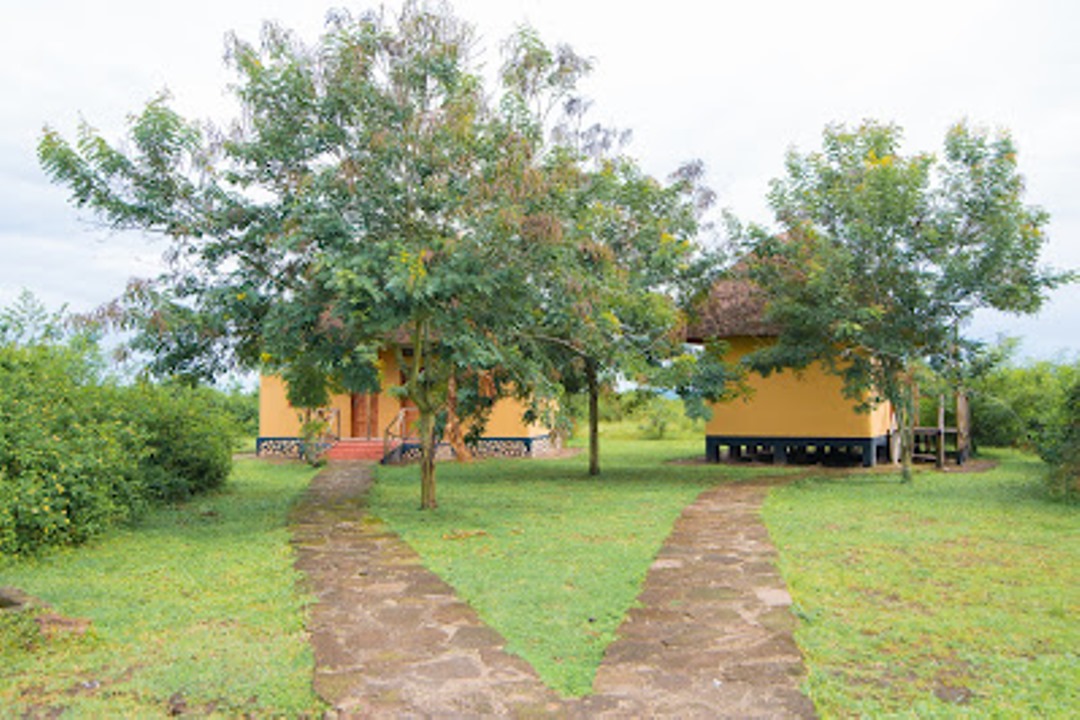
x,y
378,192
880,259
373,194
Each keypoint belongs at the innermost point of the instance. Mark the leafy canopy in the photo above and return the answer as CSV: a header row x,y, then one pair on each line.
x,y
880,259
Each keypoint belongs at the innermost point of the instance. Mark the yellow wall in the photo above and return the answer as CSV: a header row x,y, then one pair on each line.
x,y
278,419
389,405
505,421
808,404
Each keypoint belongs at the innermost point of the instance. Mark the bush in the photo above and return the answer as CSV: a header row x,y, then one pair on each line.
x,y
188,436
242,408
66,458
1061,449
1016,406
79,455
660,415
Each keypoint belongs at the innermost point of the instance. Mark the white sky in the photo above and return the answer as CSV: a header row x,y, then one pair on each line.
x,y
733,83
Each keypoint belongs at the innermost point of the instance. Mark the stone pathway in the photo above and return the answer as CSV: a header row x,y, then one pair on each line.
x,y
712,637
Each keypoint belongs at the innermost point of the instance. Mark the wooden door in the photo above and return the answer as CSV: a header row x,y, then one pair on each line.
x,y
365,415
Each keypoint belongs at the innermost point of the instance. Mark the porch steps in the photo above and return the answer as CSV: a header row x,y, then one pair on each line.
x,y
355,449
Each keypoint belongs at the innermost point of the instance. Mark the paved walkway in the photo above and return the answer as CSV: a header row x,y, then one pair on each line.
x,y
712,637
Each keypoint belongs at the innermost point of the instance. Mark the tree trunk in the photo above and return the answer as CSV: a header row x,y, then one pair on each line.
x,y
963,427
307,439
940,462
426,425
907,427
454,435
594,417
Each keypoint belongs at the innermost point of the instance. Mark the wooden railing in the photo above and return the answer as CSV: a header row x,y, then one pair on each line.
x,y
397,432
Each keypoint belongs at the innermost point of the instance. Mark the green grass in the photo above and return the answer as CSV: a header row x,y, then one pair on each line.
x,y
957,595
549,557
639,427
245,444
198,602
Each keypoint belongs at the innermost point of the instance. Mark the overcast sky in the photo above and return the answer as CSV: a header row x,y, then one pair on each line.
x,y
733,83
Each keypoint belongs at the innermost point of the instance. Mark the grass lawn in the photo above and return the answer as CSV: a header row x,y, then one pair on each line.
x,y
548,556
196,607
957,595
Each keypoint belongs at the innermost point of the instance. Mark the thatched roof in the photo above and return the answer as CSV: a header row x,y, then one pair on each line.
x,y
735,306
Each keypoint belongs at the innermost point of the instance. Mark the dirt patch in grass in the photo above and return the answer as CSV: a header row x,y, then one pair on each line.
x,y
973,465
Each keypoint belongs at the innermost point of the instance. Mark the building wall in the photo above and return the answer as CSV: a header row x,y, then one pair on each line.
x,y
506,421
277,419
809,404
389,405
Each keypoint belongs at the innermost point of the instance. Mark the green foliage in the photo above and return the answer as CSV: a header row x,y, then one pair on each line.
x,y
881,258
69,463
623,263
615,406
1060,447
313,434
200,601
242,408
636,414
188,439
954,597
660,415
374,195
79,454
1015,405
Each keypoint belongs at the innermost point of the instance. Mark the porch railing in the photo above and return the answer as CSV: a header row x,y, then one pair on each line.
x,y
398,432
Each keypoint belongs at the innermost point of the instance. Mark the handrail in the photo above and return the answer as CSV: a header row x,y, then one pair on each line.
x,y
330,432
397,430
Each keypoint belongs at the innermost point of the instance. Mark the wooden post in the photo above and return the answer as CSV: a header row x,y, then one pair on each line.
x,y
916,414
941,432
963,427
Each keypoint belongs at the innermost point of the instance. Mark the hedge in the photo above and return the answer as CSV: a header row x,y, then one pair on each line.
x,y
79,454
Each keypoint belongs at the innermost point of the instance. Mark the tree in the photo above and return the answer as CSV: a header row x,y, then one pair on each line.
x,y
880,259
373,196
621,248
1060,447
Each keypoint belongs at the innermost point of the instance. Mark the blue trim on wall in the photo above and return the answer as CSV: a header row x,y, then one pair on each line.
x,y
408,446
400,451
298,442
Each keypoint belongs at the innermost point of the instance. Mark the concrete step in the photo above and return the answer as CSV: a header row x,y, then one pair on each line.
x,y
354,449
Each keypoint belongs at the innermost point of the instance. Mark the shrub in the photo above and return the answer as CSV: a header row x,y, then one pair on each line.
x,y
188,436
66,458
660,415
1061,449
1016,406
78,455
241,406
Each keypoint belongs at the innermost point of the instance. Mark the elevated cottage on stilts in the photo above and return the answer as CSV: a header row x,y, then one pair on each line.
x,y
803,415
789,415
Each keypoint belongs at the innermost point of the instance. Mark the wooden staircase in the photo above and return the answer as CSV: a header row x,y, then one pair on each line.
x,y
356,449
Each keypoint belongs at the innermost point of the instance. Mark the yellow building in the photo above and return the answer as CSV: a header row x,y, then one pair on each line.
x,y
378,425
788,415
